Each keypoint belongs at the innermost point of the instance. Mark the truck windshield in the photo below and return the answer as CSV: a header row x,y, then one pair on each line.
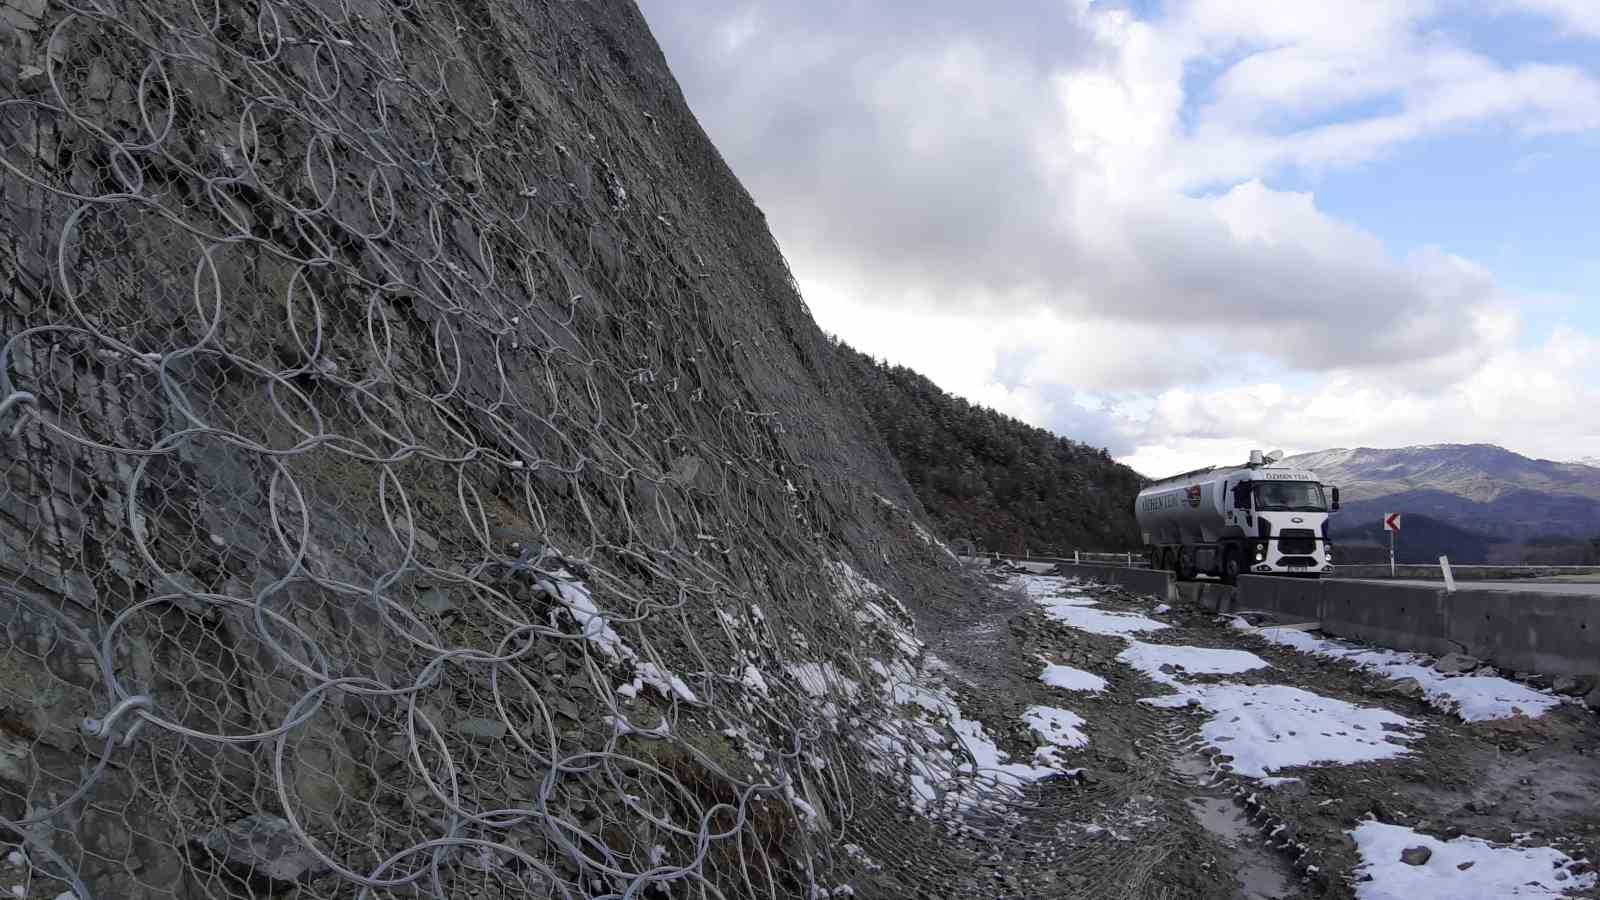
x,y
1290,496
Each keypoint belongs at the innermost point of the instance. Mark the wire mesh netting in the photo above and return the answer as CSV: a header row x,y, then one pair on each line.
x,y
422,479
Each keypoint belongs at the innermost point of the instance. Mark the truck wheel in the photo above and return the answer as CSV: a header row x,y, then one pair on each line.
x,y
1230,567
1185,566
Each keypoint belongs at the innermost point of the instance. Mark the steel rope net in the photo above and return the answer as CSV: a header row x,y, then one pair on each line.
x,y
409,493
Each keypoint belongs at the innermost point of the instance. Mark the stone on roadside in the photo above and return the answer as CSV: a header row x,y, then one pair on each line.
x,y
1574,685
1405,687
1416,856
1456,663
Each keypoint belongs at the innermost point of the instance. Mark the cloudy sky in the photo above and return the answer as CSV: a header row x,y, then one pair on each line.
x,y
1181,229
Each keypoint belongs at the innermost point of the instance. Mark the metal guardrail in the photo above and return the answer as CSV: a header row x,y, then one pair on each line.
x,y
1125,560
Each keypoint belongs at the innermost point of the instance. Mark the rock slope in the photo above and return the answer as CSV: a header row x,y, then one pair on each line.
x,y
421,475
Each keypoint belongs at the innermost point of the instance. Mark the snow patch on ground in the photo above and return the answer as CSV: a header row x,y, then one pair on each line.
x,y
663,681
1070,606
592,623
1269,727
1059,729
819,678
753,679
1100,621
1038,587
932,541
596,628
1473,698
919,747
921,532
949,764
1069,679
1151,658
1492,872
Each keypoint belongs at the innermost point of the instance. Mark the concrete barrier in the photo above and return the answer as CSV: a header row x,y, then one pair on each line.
x,y
1293,599
1521,631
1401,617
1527,631
1208,595
1158,584
1554,634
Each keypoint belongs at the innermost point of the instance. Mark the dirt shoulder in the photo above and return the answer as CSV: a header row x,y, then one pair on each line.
x,y
1172,803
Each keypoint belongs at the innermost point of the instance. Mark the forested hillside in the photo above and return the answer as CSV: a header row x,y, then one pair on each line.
x,y
984,476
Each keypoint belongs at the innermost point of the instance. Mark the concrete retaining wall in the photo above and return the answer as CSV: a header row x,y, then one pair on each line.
x,y
1144,581
1556,634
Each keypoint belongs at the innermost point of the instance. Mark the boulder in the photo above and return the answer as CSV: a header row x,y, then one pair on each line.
x,y
1405,687
1416,856
1592,699
1574,685
1456,663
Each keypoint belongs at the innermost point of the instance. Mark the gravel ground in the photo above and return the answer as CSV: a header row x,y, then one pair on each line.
x,y
1155,814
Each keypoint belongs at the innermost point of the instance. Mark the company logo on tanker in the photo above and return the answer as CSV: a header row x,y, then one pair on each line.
x,y
1192,494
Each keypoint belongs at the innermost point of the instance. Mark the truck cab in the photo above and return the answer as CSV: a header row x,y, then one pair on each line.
x,y
1278,523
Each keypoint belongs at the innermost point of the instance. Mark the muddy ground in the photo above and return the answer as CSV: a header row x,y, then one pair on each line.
x,y
1153,815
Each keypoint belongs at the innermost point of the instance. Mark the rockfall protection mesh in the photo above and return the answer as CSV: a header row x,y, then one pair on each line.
x,y
421,479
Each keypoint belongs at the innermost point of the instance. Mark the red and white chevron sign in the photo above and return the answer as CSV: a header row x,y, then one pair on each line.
x,y
1391,522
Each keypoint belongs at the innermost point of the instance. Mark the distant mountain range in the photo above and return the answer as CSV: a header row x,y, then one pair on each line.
x,y
1482,494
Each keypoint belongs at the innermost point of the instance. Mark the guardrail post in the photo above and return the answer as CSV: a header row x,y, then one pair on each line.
x,y
1074,557
1449,576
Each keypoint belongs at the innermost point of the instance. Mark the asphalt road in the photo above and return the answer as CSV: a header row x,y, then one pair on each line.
x,y
1526,586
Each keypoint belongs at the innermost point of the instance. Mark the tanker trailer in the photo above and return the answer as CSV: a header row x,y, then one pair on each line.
x,y
1257,518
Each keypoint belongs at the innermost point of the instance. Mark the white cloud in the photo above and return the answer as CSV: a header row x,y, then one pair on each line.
x,y
1578,17
1537,399
1070,214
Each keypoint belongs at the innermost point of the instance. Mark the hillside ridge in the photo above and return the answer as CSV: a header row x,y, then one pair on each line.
x,y
991,479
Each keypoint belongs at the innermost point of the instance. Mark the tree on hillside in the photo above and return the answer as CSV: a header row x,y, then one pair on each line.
x,y
987,477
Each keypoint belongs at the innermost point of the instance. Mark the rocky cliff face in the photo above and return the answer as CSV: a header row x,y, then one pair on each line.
x,y
421,474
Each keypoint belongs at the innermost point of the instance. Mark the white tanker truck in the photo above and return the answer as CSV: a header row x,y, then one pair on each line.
x,y
1256,518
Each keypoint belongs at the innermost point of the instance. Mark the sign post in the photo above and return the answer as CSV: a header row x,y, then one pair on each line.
x,y
1391,524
